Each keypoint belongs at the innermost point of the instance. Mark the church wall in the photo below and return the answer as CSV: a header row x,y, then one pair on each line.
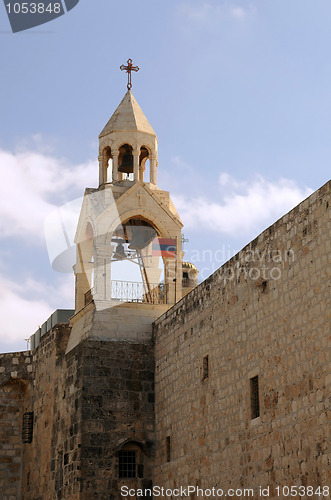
x,y
15,371
51,465
117,408
87,404
133,321
272,323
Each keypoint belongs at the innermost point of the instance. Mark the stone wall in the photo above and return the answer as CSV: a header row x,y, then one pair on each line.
x,y
87,405
117,408
15,375
265,313
52,462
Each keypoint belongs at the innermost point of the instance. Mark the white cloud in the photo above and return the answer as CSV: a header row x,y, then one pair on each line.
x,y
238,12
242,207
206,13
24,306
33,184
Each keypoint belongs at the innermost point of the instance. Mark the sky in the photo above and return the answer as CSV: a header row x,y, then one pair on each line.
x,y
238,93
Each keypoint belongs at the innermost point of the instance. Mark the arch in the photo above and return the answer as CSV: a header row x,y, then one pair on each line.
x,y
137,232
21,383
85,217
160,227
125,143
125,160
135,442
144,220
85,244
106,157
143,157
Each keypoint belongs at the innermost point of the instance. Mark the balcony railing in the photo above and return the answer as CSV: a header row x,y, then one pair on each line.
x,y
130,291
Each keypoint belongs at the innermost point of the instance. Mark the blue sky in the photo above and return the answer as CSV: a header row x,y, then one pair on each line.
x,y
238,93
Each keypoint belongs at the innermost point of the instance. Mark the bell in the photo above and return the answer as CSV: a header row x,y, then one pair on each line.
x,y
141,237
138,240
119,252
126,165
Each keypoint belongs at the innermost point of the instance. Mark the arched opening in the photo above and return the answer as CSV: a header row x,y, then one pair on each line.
x,y
125,162
136,269
143,157
107,165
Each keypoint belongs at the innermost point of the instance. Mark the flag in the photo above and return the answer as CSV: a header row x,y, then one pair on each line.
x,y
164,247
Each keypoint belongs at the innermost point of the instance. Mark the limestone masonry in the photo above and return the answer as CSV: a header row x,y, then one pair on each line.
x,y
164,382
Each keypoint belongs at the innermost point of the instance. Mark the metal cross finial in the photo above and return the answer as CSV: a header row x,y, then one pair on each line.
x,y
128,69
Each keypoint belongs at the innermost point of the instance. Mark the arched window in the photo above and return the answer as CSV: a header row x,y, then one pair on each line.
x,y
125,161
136,271
143,157
107,163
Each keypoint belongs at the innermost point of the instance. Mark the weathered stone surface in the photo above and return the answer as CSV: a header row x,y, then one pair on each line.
x,y
15,382
266,312
87,404
272,322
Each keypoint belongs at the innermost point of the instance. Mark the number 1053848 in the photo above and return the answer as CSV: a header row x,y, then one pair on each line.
x,y
34,8
301,491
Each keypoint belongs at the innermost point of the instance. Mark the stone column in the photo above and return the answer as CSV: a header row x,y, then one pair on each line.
x,y
170,279
136,154
153,170
141,172
115,167
100,159
102,276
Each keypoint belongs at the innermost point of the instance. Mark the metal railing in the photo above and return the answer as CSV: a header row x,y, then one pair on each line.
x,y
130,291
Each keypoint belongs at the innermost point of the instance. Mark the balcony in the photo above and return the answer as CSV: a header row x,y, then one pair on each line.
x,y
130,291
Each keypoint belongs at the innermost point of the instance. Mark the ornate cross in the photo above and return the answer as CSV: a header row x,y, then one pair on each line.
x,y
140,198
129,68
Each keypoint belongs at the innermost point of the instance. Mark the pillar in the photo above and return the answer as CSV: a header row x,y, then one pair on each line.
x,y
141,172
136,154
100,159
102,276
115,167
153,170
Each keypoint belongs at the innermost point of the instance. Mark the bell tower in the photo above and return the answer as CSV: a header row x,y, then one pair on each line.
x,y
128,219
125,145
127,224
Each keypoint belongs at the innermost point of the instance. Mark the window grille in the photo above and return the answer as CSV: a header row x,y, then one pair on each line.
x,y
168,446
255,401
27,427
205,368
127,464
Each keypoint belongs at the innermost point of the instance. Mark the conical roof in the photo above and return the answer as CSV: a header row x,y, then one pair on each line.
x,y
128,117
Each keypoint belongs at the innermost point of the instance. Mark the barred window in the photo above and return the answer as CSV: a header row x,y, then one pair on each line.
x,y
205,368
255,401
27,427
168,446
127,464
